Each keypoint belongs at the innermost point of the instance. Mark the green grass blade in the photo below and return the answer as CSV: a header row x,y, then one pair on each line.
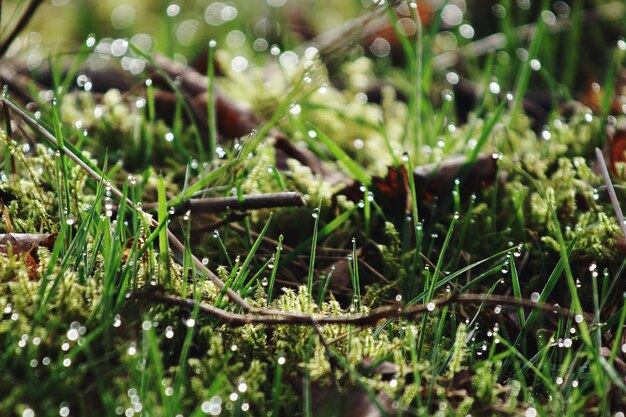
x,y
340,155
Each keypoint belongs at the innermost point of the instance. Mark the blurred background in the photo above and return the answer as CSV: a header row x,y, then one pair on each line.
x,y
254,32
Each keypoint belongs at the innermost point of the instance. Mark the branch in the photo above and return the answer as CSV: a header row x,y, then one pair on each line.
x,y
21,24
275,317
248,202
609,187
614,10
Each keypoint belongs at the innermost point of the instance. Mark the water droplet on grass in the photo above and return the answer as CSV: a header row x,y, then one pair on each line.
x,y
169,332
530,412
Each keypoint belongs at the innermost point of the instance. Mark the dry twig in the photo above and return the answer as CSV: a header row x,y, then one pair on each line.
x,y
20,25
274,317
248,202
611,190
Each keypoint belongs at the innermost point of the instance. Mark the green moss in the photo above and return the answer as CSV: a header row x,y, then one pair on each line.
x,y
459,350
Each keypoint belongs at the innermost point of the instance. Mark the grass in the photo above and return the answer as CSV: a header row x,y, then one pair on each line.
x,y
82,332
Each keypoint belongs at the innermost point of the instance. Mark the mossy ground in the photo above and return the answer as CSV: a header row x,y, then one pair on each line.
x,y
80,334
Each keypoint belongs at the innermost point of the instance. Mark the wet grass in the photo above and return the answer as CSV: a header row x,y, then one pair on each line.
x,y
84,332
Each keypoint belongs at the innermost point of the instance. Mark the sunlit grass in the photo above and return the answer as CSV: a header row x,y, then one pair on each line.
x,y
84,322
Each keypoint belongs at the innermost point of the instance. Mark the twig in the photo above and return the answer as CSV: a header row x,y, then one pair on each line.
x,y
248,202
274,317
20,25
613,10
611,190
176,244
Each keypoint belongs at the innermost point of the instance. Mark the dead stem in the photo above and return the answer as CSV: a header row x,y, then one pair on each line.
x,y
275,317
247,202
20,25
611,190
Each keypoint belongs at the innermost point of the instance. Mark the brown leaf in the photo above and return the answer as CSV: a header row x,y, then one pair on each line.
x,y
437,180
616,146
24,245
26,242
431,181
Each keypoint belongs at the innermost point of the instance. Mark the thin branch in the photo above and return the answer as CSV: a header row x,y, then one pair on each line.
x,y
248,202
274,317
21,24
613,10
174,242
609,187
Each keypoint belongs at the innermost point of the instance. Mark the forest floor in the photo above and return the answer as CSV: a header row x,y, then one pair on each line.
x,y
304,208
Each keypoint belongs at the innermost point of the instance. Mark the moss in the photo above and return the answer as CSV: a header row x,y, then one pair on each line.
x,y
36,206
485,381
459,350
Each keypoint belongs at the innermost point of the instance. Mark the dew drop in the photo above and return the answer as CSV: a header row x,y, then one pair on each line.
x,y
535,64
530,412
72,334
169,332
494,87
